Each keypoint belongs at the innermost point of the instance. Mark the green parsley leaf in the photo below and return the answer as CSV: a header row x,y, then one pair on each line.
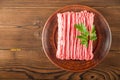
x,y
93,29
93,38
82,37
93,35
78,27
85,35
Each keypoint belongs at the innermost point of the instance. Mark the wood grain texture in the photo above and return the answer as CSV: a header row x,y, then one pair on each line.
x,y
21,24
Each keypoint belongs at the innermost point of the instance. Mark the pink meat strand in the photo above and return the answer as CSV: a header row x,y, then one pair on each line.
x,y
85,23
90,23
72,35
64,36
82,21
59,45
79,45
77,33
75,40
68,35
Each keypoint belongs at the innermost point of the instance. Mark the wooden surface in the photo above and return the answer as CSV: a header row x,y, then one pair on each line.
x,y
21,24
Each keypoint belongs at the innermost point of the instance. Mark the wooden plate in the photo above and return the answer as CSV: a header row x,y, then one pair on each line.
x,y
101,46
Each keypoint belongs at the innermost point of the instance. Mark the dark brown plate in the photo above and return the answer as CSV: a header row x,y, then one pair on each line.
x,y
101,46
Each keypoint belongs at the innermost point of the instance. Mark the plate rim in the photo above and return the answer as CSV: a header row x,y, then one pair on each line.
x,y
107,50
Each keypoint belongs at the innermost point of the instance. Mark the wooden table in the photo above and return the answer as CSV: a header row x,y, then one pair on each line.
x,y
21,53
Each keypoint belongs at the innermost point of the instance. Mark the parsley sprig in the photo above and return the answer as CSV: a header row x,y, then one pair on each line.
x,y
93,35
85,35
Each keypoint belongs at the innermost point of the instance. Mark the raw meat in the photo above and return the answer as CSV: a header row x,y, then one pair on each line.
x,y
68,45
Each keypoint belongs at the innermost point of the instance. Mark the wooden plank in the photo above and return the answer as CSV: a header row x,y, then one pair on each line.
x,y
30,16
25,57
19,38
57,3
34,64
23,16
